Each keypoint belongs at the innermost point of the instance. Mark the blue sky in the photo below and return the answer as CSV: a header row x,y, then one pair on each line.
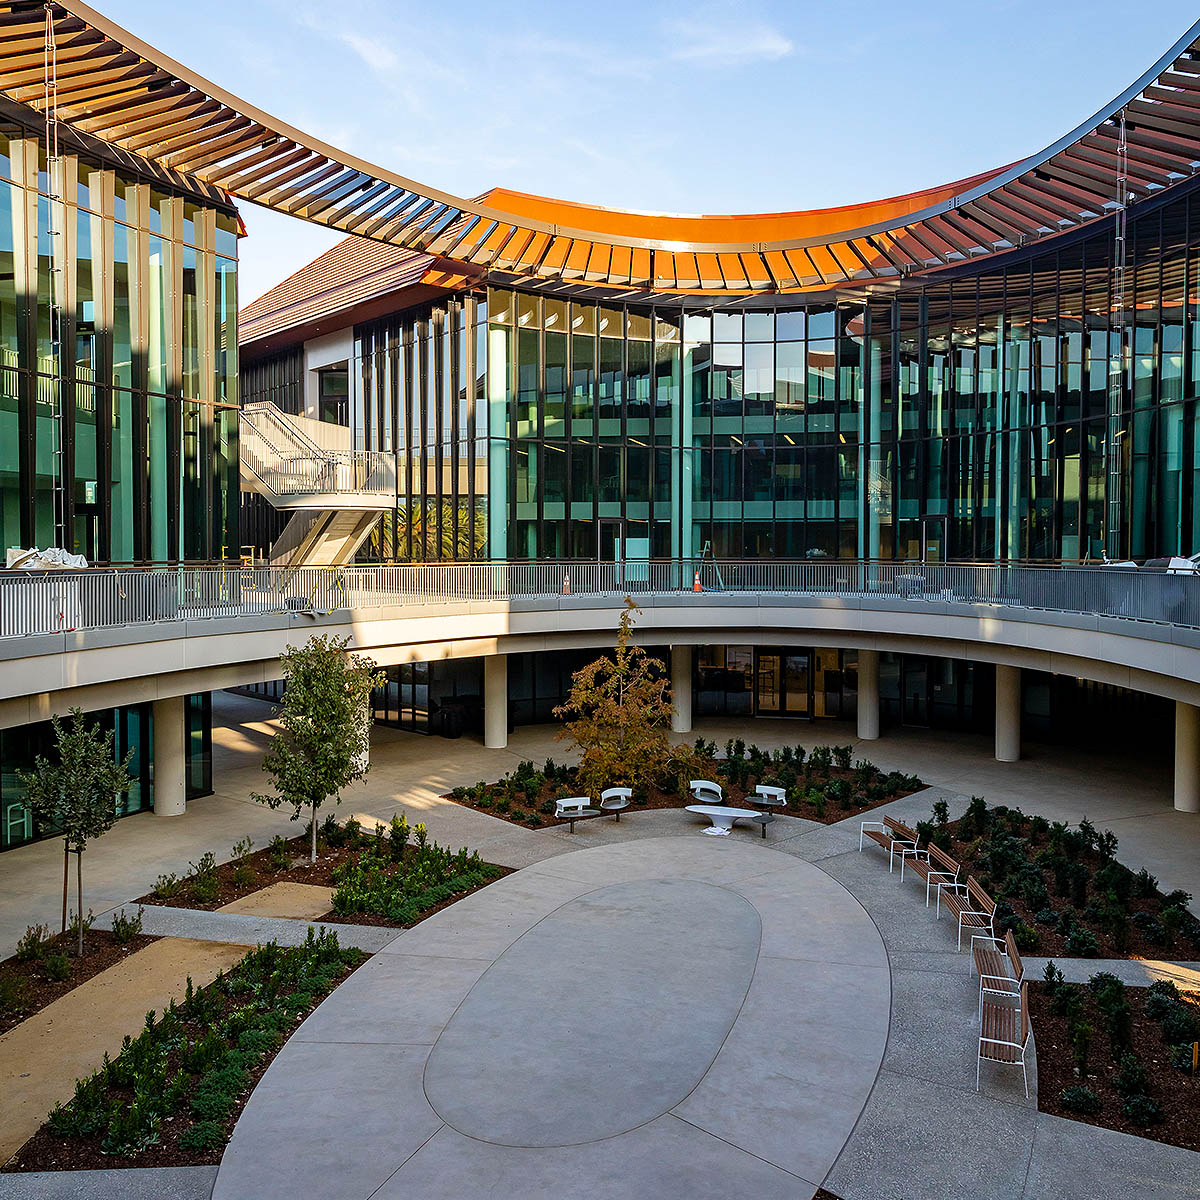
x,y
722,106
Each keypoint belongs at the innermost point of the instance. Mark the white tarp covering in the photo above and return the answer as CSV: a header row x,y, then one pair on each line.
x,y
50,559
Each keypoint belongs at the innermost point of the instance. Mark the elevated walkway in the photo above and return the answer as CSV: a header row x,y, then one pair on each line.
x,y
336,495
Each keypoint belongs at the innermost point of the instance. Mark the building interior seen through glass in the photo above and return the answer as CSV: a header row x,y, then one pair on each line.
x,y
118,360
973,418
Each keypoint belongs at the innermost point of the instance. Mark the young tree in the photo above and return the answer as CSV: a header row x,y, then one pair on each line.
x,y
325,737
618,714
78,793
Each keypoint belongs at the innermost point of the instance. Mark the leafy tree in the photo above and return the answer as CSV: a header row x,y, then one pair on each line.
x,y
326,718
618,714
78,793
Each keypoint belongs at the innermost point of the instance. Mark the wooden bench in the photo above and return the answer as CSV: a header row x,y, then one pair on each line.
x,y
969,904
704,791
931,864
573,808
1004,1033
890,834
998,965
614,799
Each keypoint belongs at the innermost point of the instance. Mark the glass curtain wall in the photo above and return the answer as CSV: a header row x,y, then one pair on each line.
x,y
118,361
967,420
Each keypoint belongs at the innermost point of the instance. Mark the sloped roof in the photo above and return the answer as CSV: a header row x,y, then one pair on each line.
x,y
355,270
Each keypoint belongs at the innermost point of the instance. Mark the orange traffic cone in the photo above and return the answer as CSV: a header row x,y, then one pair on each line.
x,y
566,585
696,582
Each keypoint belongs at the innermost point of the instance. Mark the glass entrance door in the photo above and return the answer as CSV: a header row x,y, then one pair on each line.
x,y
933,539
783,684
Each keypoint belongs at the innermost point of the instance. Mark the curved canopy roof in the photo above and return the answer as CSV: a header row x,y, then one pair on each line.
x,y
114,87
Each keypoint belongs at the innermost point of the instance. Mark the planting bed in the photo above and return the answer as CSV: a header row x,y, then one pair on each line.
x,y
1062,891
824,784
372,885
1130,1067
25,988
174,1093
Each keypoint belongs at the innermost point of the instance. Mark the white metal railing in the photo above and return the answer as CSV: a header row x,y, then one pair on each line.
x,y
100,598
289,463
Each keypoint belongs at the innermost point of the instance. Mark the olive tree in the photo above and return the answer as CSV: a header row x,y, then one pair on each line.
x,y
325,727
76,792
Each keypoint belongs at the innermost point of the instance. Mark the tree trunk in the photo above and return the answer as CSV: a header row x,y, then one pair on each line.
x,y
314,833
79,895
66,879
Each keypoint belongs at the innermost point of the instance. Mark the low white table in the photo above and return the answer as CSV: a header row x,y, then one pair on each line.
x,y
722,817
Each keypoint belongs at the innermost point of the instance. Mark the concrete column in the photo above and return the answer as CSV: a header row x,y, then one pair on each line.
x,y
1008,713
495,701
681,688
170,758
1187,757
868,695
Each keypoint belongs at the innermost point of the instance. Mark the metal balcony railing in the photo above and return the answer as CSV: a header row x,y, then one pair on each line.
x,y
106,598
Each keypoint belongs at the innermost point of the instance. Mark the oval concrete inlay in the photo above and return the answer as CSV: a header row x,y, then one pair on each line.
x,y
603,1016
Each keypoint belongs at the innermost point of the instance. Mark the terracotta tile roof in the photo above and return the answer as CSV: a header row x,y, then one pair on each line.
x,y
355,270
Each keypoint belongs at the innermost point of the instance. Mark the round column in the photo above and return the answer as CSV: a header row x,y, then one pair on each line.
x,y
495,701
868,695
1187,757
681,688
170,758
1008,713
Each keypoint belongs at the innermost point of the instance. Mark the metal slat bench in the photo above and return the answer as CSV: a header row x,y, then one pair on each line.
x,y
969,904
931,864
890,834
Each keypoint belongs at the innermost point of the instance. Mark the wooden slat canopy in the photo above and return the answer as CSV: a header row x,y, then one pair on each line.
x,y
116,88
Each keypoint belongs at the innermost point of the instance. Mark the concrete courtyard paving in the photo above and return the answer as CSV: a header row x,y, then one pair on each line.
x,y
919,1112
654,1018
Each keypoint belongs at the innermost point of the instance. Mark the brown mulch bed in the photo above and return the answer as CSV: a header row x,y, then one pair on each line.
x,y
734,796
1176,1092
1051,942
48,1151
301,870
101,951
297,870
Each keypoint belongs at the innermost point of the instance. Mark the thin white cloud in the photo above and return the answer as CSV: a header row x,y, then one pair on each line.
x,y
379,56
712,39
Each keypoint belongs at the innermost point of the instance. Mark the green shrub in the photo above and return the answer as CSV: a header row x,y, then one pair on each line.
x,y
1081,942
487,802
1080,1099
1028,940
1161,997
33,943
1141,1110
131,1128
202,1136
56,967
398,836
1180,1025
74,923
1151,927
14,994
841,756
1172,919
1176,899
1130,1079
125,928
1080,1031
204,885
166,887
279,854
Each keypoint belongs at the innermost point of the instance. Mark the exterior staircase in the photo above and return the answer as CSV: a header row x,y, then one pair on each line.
x,y
336,496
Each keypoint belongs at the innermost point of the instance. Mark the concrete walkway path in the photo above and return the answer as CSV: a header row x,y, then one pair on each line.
x,y
662,1017
41,1058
